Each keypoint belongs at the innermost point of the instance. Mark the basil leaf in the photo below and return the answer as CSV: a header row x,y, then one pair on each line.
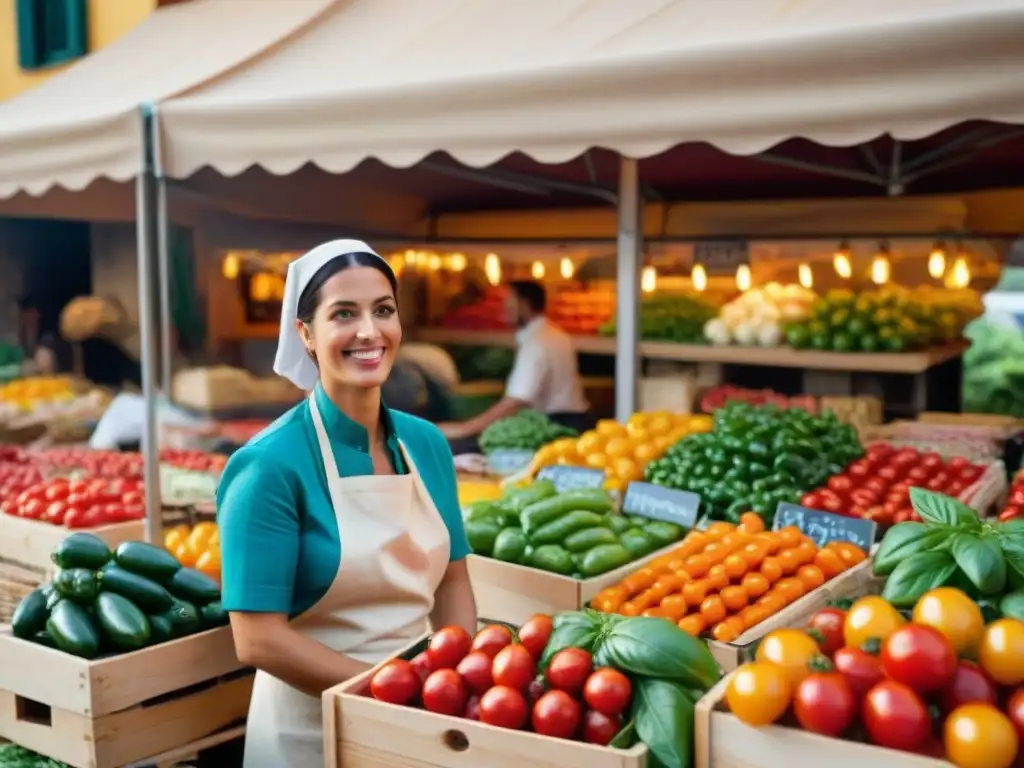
x,y
938,509
625,738
664,722
982,561
904,540
916,575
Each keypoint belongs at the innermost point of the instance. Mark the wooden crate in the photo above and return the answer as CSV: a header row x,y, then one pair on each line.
x,y
986,495
855,582
118,710
722,741
30,542
513,593
360,732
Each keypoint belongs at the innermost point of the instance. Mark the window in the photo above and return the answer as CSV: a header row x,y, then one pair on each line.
x,y
50,32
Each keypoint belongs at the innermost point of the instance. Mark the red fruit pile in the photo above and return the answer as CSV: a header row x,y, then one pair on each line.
x,y
493,678
718,397
1015,501
79,503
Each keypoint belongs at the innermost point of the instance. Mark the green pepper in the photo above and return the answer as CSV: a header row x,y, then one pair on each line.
x,y
77,584
737,508
559,529
758,450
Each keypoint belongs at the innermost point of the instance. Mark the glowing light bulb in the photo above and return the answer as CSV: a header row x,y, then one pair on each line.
x,y
937,262
230,267
458,262
843,265
566,268
433,262
648,280
960,276
880,268
699,277
537,270
805,276
492,268
743,278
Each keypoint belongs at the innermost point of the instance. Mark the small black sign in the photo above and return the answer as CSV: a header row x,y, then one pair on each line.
x,y
568,478
721,256
823,527
659,503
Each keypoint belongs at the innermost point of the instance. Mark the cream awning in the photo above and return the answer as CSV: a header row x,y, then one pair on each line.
x,y
84,123
399,79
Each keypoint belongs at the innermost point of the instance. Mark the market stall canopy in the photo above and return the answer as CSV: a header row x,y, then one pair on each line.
x,y
84,123
398,81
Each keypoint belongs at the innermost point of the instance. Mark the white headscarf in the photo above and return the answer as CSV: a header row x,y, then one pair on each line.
x,y
292,360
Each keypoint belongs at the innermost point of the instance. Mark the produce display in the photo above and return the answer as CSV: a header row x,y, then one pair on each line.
x,y
994,368
728,579
581,311
722,395
1015,501
599,679
79,503
938,681
622,451
488,313
575,533
123,463
877,486
102,602
13,756
28,393
196,547
678,317
527,431
757,457
758,316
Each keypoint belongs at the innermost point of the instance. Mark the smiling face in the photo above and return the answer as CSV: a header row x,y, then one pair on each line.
x,y
355,331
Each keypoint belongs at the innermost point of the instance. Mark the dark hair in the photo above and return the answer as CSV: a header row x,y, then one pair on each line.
x,y
309,299
532,293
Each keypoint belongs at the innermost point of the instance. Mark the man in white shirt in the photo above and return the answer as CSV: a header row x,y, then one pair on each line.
x,y
545,375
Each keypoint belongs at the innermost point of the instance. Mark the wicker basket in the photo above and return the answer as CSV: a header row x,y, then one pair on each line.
x,y
16,581
982,445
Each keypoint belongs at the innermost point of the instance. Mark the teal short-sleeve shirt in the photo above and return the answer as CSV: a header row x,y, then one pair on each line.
x,y
280,546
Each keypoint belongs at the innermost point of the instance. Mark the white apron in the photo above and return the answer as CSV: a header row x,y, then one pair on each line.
x,y
394,553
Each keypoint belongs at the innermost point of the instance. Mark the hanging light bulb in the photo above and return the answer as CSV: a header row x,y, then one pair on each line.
x,y
841,261
230,267
805,276
937,261
537,270
433,262
881,269
492,268
649,280
743,278
960,275
566,268
699,277
458,262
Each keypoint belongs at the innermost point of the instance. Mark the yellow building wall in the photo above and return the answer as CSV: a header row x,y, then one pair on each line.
x,y
108,20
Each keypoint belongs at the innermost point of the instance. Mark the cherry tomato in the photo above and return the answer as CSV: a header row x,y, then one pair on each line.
x,y
55,512
569,670
840,484
448,646
953,614
859,469
1012,512
513,667
827,625
896,717
475,669
863,497
824,703
74,517
598,728
1001,651
920,657
1017,495
888,474
492,639
980,736
792,650
970,475
56,491
861,670
607,691
33,509
396,682
557,714
444,692
811,500
1015,711
931,460
970,686
759,693
504,707
870,618
835,506
877,452
534,634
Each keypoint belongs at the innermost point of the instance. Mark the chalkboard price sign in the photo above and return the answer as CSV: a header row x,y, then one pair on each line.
x,y
568,478
665,504
823,527
507,461
721,256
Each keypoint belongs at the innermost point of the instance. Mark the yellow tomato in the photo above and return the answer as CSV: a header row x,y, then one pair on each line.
x,y
200,537
597,460
980,736
185,554
209,563
645,452
1001,651
954,614
627,469
609,428
792,650
619,447
700,423
590,442
870,618
759,693
173,538
659,426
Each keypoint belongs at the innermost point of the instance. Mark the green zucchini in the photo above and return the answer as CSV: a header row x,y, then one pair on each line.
x,y
160,629
123,624
73,630
145,593
213,615
78,584
194,587
30,616
146,560
184,618
81,550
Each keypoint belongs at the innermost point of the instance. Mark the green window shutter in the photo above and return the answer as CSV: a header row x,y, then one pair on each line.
x,y
51,32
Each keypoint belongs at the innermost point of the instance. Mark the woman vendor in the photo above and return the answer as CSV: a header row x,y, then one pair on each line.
x,y
341,533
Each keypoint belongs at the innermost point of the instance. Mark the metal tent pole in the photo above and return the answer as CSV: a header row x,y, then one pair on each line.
x,y
163,256
149,331
629,266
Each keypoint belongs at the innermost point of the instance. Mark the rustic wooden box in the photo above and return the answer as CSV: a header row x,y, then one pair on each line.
x,y
361,732
118,710
513,593
722,741
29,542
855,582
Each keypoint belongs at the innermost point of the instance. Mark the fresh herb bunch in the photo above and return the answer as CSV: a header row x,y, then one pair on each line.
x,y
527,431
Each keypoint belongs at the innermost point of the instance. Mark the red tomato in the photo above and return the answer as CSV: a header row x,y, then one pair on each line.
x,y
970,474
1015,711
918,475
599,728
504,707
877,486
863,497
55,512
1017,496
970,685
888,474
825,703
569,670
534,634
861,670
1010,513
57,491
472,710
828,625
957,463
955,488
33,509
557,714
859,469
74,517
811,500
879,452
492,639
132,498
835,506
396,682
920,657
422,664
840,484
931,461
607,691
475,669
896,717
937,483
513,667
448,646
905,457
444,692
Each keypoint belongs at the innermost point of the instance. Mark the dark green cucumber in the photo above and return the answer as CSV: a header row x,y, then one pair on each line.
x,y
73,630
81,550
160,629
145,593
213,615
52,598
121,621
194,587
184,618
30,616
78,584
146,560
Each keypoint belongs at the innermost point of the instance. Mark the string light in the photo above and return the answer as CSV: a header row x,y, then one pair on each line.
x,y
960,275
881,269
937,262
699,277
458,262
805,276
841,261
743,278
648,280
537,270
230,267
492,268
566,268
433,262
